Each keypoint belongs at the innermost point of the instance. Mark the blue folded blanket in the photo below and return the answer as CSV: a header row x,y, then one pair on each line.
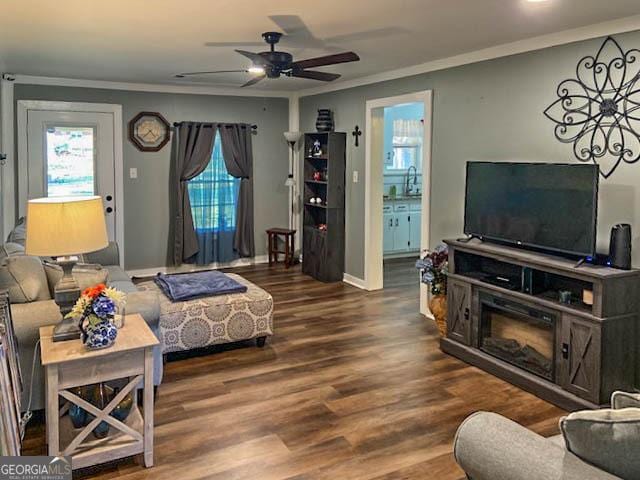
x,y
185,286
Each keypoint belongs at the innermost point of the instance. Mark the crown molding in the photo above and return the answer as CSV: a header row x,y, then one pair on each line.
x,y
148,87
613,27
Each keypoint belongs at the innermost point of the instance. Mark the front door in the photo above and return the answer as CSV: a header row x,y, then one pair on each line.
x,y
69,153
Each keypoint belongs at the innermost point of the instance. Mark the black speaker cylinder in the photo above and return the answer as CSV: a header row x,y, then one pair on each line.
x,y
620,246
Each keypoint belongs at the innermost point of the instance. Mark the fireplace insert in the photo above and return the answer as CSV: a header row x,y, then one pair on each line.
x,y
518,334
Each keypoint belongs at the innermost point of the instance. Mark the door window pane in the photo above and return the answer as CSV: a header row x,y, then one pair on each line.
x,y
70,161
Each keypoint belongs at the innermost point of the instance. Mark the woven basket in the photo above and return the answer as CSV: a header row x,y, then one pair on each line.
x,y
438,307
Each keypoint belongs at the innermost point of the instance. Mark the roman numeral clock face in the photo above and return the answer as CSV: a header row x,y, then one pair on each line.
x,y
149,131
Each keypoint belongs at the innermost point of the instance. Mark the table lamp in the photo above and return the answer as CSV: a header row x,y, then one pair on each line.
x,y
63,227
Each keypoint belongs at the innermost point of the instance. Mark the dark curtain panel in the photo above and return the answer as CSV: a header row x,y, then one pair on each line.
x,y
238,157
193,152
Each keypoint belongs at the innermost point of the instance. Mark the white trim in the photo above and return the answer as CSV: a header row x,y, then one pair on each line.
x,y
7,178
613,27
354,281
241,262
116,111
373,229
149,87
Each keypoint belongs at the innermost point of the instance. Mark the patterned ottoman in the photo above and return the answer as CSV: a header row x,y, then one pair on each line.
x,y
213,320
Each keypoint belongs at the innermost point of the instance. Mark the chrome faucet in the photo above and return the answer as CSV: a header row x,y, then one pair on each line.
x,y
409,186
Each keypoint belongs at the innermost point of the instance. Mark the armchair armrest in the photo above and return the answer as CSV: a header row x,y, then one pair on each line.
x,y
490,447
110,255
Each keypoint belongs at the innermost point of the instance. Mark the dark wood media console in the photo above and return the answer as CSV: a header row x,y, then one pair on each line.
x,y
521,316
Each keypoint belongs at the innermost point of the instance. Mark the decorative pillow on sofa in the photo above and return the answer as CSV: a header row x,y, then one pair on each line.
x,y
19,232
86,275
608,439
625,400
23,276
10,250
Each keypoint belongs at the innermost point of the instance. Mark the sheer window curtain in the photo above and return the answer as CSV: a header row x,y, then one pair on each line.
x,y
213,196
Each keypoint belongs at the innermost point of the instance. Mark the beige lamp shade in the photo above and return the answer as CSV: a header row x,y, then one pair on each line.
x,y
61,226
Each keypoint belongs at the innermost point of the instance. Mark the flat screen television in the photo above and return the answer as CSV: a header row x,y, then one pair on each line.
x,y
546,206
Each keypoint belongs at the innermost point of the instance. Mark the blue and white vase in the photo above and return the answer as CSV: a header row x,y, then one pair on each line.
x,y
99,335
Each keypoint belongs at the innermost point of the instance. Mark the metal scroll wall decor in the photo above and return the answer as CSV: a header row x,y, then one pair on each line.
x,y
598,111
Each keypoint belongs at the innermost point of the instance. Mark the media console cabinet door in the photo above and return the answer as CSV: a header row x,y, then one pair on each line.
x,y
459,311
580,350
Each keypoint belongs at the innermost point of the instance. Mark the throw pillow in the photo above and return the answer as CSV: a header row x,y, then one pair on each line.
x,y
85,274
19,232
608,439
23,276
10,250
625,400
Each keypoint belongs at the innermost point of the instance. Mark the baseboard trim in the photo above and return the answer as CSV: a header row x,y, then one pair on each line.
x,y
241,262
354,281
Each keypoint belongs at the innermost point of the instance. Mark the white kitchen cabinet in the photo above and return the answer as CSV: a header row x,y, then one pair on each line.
x,y
402,227
415,230
402,234
388,231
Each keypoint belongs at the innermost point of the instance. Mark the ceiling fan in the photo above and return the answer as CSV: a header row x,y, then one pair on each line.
x,y
272,64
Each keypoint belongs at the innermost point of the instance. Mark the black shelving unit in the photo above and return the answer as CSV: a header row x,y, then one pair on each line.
x,y
323,249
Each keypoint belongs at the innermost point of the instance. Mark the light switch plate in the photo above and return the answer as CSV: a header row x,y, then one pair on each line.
x,y
355,176
133,173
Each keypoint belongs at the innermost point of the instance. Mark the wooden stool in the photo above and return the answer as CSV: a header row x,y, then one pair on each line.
x,y
289,245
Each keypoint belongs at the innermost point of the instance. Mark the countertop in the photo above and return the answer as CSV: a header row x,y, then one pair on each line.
x,y
401,198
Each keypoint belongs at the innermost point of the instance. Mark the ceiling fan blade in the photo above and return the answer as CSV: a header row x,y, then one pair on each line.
x,y
186,74
326,60
255,58
254,80
313,75
234,44
296,32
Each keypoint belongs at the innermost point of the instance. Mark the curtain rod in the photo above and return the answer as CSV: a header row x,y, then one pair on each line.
x,y
209,125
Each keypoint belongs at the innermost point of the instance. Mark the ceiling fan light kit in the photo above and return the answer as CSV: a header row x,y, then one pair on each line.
x,y
274,63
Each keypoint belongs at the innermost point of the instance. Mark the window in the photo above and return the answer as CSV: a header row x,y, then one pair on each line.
x,y
213,195
70,161
406,145
405,156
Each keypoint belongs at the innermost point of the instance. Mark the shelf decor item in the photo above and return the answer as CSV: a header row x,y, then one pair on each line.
x,y
64,227
316,149
434,266
324,122
96,308
597,111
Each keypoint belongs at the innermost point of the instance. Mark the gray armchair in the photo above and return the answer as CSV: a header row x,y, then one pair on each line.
x,y
490,447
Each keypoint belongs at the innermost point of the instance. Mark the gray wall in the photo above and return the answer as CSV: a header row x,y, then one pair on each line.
x,y
147,197
485,111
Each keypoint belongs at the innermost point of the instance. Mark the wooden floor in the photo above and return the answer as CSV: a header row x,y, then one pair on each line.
x,y
352,386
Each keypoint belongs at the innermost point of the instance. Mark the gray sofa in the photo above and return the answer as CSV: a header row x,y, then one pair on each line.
x,y
28,317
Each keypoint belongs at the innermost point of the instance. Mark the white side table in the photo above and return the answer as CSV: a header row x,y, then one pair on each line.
x,y
69,364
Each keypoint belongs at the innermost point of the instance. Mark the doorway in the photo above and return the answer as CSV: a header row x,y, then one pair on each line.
x,y
397,188
72,149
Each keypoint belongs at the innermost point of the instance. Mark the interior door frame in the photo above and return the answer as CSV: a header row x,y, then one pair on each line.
x,y
115,110
373,227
